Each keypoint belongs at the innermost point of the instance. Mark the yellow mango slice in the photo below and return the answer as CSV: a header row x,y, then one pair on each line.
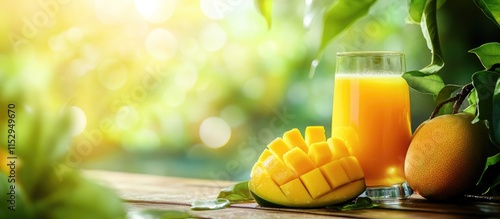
x,y
352,168
296,192
294,139
268,189
265,154
298,161
315,183
335,174
278,147
324,173
278,170
338,148
320,153
314,134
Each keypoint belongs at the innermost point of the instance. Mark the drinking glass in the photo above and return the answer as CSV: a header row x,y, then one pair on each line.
x,y
371,112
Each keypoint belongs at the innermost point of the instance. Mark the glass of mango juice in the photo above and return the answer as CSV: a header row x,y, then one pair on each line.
x,y
371,112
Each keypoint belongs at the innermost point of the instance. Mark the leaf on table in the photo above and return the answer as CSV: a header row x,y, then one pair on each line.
x,y
444,94
424,83
266,9
236,193
491,8
159,214
361,203
219,203
488,54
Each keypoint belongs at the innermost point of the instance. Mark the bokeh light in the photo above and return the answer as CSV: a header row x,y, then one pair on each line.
x,y
215,132
187,84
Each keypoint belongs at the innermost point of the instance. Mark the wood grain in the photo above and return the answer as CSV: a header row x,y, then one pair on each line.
x,y
140,191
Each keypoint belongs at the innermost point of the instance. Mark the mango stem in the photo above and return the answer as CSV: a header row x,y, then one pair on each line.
x,y
458,99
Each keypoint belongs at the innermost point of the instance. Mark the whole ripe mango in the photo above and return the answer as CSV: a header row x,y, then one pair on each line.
x,y
306,173
446,156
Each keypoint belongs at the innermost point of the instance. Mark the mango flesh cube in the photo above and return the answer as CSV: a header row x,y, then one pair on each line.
x,y
315,183
352,168
338,148
315,134
267,186
298,161
294,139
278,170
258,174
265,154
295,191
278,147
335,174
320,153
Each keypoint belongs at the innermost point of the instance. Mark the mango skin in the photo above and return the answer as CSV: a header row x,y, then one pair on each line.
x,y
346,193
446,156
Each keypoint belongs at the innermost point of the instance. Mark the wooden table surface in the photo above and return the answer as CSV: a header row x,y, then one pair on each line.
x,y
170,193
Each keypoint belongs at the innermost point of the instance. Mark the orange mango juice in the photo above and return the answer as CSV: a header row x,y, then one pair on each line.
x,y
372,112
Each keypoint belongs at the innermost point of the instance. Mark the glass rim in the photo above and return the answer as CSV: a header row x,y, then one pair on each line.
x,y
371,53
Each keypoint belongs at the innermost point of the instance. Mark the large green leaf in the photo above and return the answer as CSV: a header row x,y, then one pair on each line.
x,y
266,9
424,83
487,87
341,15
488,54
416,9
484,82
430,31
495,117
491,8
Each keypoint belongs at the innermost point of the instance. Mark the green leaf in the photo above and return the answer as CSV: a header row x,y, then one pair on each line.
x,y
416,9
266,9
361,203
472,99
487,85
484,82
491,8
488,54
444,94
314,9
430,31
426,80
160,214
219,203
492,160
236,193
495,117
424,83
341,15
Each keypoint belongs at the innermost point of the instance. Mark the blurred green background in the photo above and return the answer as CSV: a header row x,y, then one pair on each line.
x,y
198,88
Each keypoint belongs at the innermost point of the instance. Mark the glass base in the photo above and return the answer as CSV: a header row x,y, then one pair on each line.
x,y
388,194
